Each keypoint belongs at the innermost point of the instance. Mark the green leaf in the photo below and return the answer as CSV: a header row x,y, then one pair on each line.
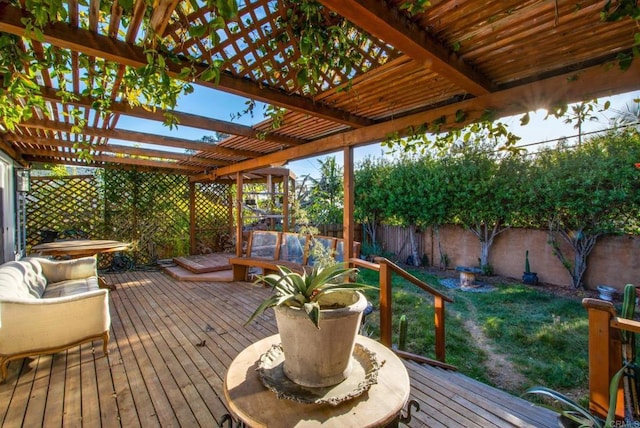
x,y
228,9
302,77
210,74
460,116
524,120
313,310
197,31
306,47
185,73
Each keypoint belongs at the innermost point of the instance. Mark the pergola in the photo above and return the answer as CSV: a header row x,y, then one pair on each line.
x,y
452,63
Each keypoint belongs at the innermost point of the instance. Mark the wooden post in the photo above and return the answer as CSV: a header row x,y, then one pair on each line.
x,y
192,219
348,230
285,203
239,238
271,189
385,304
605,356
438,305
230,204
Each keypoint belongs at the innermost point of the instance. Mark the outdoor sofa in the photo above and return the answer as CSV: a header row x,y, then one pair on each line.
x,y
48,306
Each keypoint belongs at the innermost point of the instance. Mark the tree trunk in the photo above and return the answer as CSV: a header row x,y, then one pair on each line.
x,y
443,257
413,246
486,236
581,244
484,252
582,248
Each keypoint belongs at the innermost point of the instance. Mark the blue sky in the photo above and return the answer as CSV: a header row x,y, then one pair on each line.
x,y
220,105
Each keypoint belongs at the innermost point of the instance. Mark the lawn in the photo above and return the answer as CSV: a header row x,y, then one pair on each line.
x,y
542,336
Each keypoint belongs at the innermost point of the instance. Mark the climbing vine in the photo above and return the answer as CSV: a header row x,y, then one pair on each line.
x,y
439,136
151,85
326,42
616,10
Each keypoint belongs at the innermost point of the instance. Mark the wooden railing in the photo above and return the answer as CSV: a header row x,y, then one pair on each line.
x,y
386,267
605,353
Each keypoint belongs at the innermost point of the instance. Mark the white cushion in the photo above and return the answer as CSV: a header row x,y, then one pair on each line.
x,y
71,287
18,280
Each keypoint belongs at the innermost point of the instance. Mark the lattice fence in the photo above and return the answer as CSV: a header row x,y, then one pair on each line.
x,y
149,210
213,217
63,206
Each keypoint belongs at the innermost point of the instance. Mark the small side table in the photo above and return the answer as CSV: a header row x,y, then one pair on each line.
x,y
468,276
256,406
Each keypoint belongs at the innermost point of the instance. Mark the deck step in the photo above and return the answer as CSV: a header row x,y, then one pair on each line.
x,y
181,274
204,263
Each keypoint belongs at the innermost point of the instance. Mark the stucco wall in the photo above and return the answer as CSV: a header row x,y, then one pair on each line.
x,y
614,261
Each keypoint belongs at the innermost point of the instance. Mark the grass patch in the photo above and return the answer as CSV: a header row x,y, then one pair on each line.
x,y
545,336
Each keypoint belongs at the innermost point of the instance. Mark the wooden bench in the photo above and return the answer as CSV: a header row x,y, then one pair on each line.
x,y
268,250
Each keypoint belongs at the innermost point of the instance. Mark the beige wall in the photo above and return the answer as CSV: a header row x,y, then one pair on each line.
x,y
614,261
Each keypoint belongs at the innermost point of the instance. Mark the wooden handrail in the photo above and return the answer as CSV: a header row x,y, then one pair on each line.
x,y
424,360
625,324
386,269
406,275
364,264
605,353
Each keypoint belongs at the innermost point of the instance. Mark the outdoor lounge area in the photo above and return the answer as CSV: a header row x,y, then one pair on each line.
x,y
171,344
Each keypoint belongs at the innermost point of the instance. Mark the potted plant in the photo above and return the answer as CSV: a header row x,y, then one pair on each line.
x,y
318,314
529,277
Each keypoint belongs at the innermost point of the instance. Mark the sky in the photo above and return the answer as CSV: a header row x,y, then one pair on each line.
x,y
538,130
223,106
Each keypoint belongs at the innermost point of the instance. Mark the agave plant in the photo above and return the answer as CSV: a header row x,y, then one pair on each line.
x,y
578,415
306,290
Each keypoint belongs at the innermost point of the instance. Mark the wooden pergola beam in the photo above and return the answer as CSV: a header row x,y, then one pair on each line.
x,y
162,11
82,40
378,19
139,137
186,119
13,153
593,82
116,149
43,155
36,159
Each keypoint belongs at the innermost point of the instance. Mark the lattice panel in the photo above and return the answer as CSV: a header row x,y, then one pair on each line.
x,y
213,217
150,210
262,41
64,206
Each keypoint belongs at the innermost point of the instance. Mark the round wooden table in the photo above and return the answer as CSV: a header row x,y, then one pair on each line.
x,y
253,404
76,248
79,247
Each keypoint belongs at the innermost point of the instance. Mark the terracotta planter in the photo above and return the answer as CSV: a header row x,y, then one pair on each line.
x,y
320,357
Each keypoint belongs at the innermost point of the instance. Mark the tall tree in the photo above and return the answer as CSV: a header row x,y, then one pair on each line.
x,y
324,202
406,190
587,192
370,193
488,187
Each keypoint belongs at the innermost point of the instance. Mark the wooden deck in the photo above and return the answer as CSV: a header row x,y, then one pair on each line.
x,y
170,346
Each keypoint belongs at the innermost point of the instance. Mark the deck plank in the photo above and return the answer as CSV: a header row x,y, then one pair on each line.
x,y
171,343
37,397
177,360
90,399
55,394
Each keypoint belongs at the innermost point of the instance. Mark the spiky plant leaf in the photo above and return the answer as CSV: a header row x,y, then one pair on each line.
x,y
304,290
586,418
313,310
